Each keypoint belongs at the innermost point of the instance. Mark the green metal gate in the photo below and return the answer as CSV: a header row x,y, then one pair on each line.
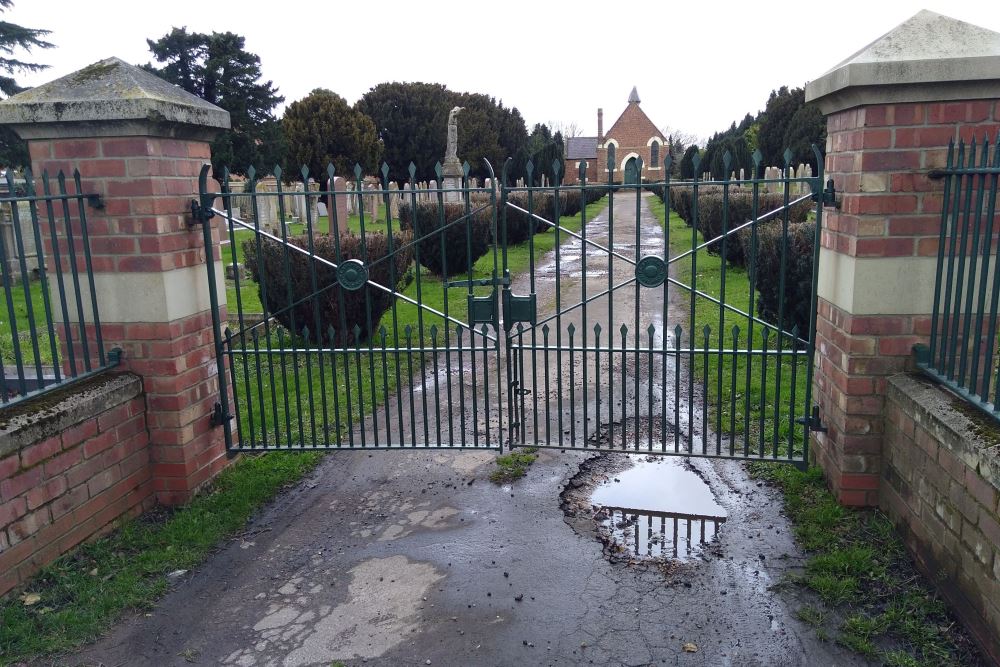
x,y
483,312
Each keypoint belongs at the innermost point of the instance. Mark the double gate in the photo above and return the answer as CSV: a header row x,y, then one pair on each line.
x,y
455,314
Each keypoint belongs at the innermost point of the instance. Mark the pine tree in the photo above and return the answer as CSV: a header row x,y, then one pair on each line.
x,y
15,38
218,69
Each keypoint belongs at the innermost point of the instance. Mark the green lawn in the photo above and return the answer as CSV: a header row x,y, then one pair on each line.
x,y
27,339
754,396
274,400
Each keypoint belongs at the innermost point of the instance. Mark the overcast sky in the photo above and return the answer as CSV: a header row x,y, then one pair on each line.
x,y
698,66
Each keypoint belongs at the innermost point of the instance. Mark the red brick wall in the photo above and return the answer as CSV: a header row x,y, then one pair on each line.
x,y
878,157
73,483
946,508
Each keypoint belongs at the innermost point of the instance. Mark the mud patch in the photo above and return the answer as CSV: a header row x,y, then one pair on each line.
x,y
647,508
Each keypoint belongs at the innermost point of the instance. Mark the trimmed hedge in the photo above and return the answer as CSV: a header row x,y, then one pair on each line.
x,y
798,273
283,288
710,218
474,233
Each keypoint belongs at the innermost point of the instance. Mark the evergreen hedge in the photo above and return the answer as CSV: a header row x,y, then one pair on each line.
x,y
460,235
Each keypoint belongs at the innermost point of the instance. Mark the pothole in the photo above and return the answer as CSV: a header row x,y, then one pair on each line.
x,y
645,508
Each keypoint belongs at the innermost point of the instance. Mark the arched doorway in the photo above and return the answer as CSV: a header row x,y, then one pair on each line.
x,y
631,171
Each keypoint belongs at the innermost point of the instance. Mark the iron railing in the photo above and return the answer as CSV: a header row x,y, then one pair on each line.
x,y
963,353
50,328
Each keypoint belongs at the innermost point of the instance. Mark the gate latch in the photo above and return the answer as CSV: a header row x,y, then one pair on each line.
x,y
812,422
219,417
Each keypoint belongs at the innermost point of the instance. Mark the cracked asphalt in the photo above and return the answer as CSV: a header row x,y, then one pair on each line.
x,y
415,558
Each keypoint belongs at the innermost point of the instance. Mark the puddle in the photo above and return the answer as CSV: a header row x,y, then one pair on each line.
x,y
658,508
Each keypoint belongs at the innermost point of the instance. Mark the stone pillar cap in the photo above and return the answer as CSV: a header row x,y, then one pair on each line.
x,y
111,98
927,58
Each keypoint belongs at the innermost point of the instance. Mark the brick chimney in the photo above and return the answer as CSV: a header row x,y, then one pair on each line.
x,y
600,124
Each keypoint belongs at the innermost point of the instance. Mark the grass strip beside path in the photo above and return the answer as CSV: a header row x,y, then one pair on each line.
x,y
83,593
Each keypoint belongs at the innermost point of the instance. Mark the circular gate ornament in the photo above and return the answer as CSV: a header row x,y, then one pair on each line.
x,y
352,274
651,271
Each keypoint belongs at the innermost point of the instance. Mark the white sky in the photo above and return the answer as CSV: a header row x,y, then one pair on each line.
x,y
698,65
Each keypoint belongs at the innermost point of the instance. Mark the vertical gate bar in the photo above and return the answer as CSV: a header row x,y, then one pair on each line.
x,y
293,329
763,388
361,385
556,211
386,397
26,284
956,316
60,282
369,333
814,301
548,401
265,304
220,363
88,263
677,388
651,331
945,200
973,251
415,230
782,281
437,385
529,169
232,375
74,268
638,303
664,324
583,293
597,384
43,280
520,381
752,275
624,396
227,203
726,158
469,295
975,388
284,383
11,313
692,317
475,388
311,404
260,393
486,384
332,354
572,387
611,302
734,363
495,238
461,394
707,342
317,324
791,394
946,341
408,335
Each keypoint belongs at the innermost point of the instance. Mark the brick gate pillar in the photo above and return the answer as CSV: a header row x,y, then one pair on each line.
x,y
891,110
139,143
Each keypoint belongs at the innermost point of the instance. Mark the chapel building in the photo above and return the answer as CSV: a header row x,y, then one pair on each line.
x,y
632,137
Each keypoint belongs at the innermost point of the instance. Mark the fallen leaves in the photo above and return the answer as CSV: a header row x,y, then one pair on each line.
x,y
690,647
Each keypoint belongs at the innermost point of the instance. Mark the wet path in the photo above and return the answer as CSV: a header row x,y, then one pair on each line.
x,y
415,558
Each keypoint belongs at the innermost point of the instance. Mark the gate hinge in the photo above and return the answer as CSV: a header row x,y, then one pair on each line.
x,y
812,422
219,417
828,196
200,214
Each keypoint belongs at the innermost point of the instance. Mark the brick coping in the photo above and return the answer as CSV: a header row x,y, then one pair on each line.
x,y
971,437
49,414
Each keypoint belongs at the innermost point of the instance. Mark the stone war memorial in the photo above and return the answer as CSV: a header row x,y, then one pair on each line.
x,y
603,401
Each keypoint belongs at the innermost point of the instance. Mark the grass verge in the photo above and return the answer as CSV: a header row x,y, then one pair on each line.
x,y
871,599
83,593
513,466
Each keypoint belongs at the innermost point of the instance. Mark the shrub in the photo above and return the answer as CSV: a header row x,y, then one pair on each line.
x,y
474,232
283,287
710,218
798,273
